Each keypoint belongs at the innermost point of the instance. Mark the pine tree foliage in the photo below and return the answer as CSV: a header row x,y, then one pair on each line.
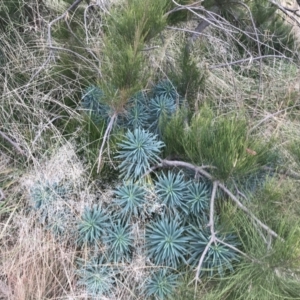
x,y
187,77
146,17
221,142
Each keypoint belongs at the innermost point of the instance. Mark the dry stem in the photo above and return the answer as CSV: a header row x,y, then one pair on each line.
x,y
106,137
212,231
15,145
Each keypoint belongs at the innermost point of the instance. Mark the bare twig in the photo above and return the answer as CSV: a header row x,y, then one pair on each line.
x,y
62,16
259,52
249,59
248,212
106,137
150,48
212,231
49,41
2,196
15,145
80,56
183,164
286,11
215,20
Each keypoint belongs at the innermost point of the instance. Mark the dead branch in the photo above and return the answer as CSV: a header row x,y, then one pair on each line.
x,y
259,52
2,196
287,11
173,163
250,59
248,212
62,16
211,225
217,21
15,145
106,137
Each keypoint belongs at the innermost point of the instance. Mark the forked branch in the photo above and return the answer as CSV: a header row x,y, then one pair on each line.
x,y
211,225
200,170
15,145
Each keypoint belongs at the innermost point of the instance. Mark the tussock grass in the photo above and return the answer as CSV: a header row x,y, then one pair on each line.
x,y
34,265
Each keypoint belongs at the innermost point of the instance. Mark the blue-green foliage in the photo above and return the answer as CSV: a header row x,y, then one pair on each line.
x,y
92,102
162,105
42,194
60,223
161,284
171,190
138,114
94,221
197,197
218,258
160,110
130,198
141,112
97,277
176,238
166,241
166,89
138,151
119,241
49,201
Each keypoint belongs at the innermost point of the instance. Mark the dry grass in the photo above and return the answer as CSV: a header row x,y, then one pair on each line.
x,y
34,265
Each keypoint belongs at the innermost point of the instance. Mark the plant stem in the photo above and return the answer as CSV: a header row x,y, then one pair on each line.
x,y
106,137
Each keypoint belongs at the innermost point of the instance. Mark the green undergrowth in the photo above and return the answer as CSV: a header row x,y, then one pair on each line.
x,y
222,142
